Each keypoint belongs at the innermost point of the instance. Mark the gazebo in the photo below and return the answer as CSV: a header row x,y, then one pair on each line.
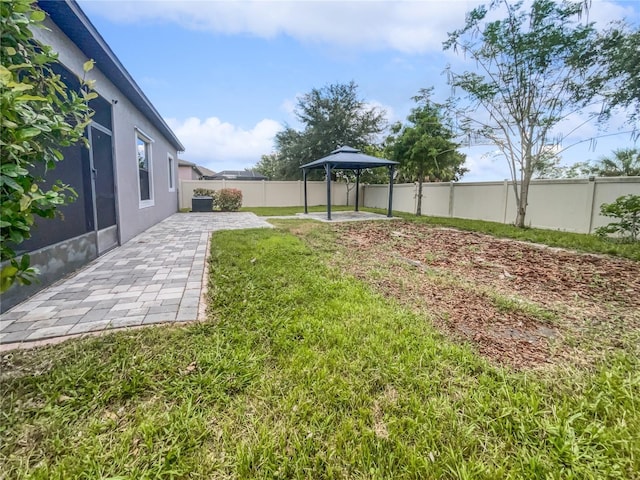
x,y
348,158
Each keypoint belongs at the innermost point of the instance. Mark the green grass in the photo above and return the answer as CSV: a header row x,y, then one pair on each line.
x,y
554,238
278,211
302,372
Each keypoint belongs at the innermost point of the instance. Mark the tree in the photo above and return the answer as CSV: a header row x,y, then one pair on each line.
x,y
425,147
615,62
625,162
40,116
531,74
627,210
268,166
331,116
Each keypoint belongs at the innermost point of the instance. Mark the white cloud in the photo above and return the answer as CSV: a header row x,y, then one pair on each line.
x,y
220,145
603,12
411,26
415,26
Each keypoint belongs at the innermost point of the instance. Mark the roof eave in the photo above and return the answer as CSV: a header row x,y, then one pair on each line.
x,y
70,18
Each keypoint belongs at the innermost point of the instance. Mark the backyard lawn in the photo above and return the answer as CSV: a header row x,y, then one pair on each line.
x,y
393,349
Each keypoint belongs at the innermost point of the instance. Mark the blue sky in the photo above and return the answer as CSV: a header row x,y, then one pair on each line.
x,y
225,74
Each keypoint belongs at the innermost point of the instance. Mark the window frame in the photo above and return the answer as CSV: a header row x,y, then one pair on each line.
x,y
141,135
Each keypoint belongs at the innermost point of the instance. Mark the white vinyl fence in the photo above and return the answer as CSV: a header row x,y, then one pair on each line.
x,y
570,205
271,193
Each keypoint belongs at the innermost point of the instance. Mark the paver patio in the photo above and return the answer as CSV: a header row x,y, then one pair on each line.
x,y
156,277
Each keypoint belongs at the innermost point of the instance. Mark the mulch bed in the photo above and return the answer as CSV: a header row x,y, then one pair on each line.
x,y
514,301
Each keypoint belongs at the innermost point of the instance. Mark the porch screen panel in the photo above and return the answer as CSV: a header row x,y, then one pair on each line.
x,y
74,219
105,192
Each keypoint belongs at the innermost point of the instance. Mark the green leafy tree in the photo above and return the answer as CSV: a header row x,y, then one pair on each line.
x,y
425,147
290,147
614,59
331,116
268,166
625,162
530,74
40,116
627,210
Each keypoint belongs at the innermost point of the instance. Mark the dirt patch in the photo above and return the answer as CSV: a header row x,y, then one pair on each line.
x,y
520,304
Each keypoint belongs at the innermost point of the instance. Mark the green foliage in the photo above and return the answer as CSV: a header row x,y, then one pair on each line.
x,y
627,210
227,199
425,147
268,166
615,63
40,115
331,116
625,162
203,192
532,74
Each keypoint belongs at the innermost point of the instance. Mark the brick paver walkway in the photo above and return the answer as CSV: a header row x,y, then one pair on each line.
x,y
156,277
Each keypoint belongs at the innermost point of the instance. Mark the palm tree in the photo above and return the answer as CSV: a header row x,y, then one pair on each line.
x,y
625,162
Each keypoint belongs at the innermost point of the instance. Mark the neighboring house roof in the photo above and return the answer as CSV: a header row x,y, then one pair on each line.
x,y
237,175
202,171
206,172
70,18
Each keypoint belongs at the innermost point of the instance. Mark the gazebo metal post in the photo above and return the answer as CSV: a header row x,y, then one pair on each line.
x,y
327,169
304,176
391,169
357,188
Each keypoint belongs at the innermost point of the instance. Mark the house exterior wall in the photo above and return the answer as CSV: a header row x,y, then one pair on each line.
x,y
55,260
132,219
186,172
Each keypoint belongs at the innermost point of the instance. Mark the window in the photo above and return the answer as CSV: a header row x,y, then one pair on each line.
x,y
172,174
145,169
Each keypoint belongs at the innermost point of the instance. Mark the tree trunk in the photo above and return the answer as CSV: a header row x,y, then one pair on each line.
x,y
419,206
523,201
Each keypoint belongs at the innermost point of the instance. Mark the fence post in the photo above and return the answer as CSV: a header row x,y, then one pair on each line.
x,y
264,193
591,197
451,198
505,200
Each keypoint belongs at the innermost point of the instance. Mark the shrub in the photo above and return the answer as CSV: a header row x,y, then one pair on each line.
x,y
627,209
228,199
203,192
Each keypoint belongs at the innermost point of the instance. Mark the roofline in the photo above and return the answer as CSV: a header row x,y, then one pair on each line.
x,y
74,23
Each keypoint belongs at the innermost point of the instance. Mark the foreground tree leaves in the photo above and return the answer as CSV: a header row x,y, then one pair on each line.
x,y
40,116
